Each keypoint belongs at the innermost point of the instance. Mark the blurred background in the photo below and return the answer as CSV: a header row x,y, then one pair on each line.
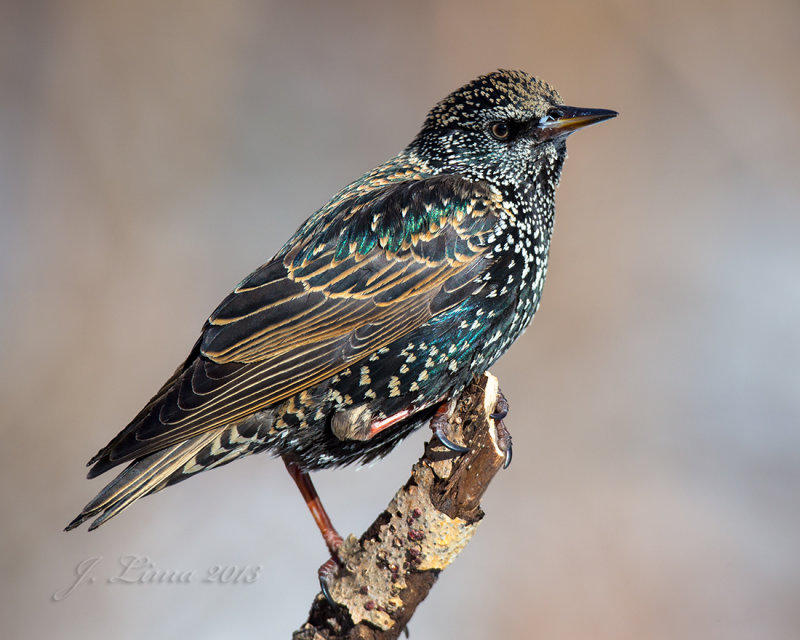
x,y
154,153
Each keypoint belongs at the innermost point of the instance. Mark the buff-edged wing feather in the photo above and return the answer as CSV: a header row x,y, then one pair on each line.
x,y
361,273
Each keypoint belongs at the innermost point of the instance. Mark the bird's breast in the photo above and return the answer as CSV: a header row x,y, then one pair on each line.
x,y
513,283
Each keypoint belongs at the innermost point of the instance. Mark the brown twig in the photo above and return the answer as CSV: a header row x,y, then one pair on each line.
x,y
392,567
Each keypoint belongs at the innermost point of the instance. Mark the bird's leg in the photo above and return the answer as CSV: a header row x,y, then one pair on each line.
x,y
379,425
303,481
440,423
332,538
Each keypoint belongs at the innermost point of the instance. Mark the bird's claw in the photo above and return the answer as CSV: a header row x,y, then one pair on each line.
x,y
507,460
500,412
500,407
439,423
326,573
457,448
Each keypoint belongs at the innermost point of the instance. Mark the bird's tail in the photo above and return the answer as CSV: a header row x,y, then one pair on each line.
x,y
160,469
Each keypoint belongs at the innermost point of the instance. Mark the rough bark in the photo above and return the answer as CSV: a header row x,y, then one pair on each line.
x,y
389,570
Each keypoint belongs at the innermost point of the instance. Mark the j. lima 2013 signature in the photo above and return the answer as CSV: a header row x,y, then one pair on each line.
x,y
137,569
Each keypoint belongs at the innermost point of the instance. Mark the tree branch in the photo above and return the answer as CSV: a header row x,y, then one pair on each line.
x,y
395,563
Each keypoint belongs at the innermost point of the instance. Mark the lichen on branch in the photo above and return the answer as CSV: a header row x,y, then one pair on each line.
x,y
390,569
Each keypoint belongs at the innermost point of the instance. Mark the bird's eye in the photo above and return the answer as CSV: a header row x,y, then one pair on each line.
x,y
501,131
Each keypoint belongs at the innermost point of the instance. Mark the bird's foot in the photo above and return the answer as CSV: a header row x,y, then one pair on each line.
x,y
504,439
327,572
503,436
440,423
500,407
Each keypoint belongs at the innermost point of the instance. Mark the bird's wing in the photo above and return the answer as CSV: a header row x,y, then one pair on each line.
x,y
357,276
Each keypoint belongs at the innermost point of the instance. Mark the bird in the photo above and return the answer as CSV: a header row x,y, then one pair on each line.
x,y
375,315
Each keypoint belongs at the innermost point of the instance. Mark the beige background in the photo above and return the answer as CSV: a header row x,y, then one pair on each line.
x,y
153,153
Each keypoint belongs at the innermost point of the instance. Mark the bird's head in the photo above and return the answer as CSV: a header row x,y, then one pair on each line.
x,y
506,127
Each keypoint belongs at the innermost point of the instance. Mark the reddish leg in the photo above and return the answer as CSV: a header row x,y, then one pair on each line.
x,y
303,482
379,425
329,533
439,424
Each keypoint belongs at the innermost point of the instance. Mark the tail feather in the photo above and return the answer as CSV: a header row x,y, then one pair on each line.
x,y
177,462
144,476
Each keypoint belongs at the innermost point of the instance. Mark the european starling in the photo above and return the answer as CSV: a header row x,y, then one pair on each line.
x,y
378,311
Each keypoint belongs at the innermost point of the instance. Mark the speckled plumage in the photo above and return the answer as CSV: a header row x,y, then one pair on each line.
x,y
386,302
